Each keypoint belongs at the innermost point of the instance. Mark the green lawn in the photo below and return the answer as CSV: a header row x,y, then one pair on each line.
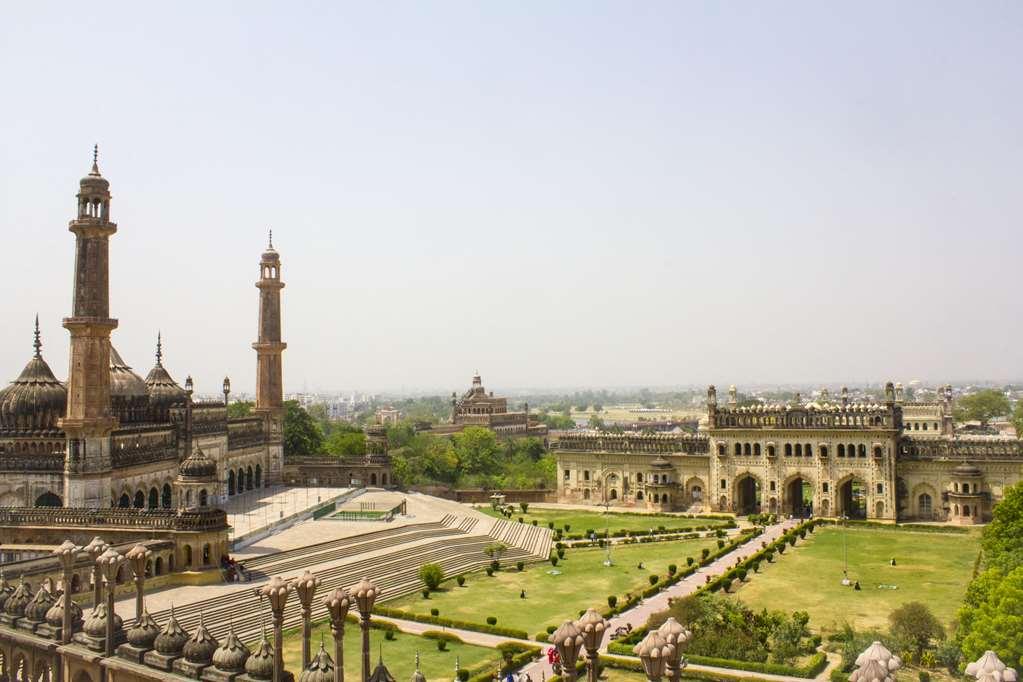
x,y
580,521
399,654
933,568
582,581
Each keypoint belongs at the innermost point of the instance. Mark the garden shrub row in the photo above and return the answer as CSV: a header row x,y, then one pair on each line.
x,y
634,664
752,562
810,669
484,672
915,527
450,623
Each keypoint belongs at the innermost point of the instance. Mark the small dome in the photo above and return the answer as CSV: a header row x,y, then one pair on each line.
x,y
260,665
660,463
198,466
35,400
966,469
19,599
96,624
94,182
199,649
55,616
164,392
124,383
231,655
144,632
172,638
321,668
41,603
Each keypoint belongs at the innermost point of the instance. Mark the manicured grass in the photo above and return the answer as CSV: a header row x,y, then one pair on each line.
x,y
399,654
933,568
581,521
583,582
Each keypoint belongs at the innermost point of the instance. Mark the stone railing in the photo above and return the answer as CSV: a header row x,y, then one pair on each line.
x,y
143,455
634,443
49,462
156,519
851,416
962,449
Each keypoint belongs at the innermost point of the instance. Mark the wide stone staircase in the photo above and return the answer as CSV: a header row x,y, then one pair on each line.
x,y
390,557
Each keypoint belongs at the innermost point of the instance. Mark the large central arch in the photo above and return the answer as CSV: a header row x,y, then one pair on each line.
x,y
852,498
798,497
747,494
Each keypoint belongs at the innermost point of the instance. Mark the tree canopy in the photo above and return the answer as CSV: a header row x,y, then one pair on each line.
x,y
302,436
982,406
239,408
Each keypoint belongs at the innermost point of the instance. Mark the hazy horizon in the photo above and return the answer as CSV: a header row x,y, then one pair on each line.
x,y
556,195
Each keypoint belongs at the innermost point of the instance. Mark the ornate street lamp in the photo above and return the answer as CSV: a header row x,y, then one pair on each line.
x,y
592,627
305,588
276,592
568,642
138,556
677,635
365,594
989,668
654,651
338,604
67,553
95,548
227,391
109,563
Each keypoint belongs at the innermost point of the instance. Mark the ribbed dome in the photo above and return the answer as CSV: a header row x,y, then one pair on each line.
x,y
19,599
55,616
124,383
965,469
94,181
201,647
231,655
40,604
260,665
164,392
35,400
172,638
321,668
144,632
198,466
96,624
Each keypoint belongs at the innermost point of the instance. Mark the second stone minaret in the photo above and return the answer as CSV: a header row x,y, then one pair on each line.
x,y
269,355
89,419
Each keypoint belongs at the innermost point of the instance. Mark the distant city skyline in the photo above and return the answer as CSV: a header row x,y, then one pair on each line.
x,y
572,195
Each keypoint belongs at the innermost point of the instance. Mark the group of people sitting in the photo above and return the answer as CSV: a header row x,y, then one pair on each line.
x,y
234,571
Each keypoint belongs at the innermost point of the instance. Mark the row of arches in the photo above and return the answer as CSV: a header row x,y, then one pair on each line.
x,y
244,479
797,498
154,498
799,450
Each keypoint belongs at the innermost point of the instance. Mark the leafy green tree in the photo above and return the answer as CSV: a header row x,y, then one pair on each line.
x,y
399,435
476,449
346,443
1002,539
997,624
431,575
240,408
596,422
495,550
982,406
1017,419
915,624
556,421
302,436
787,640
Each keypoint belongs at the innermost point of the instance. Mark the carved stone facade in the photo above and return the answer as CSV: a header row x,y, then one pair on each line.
x,y
109,438
476,407
823,458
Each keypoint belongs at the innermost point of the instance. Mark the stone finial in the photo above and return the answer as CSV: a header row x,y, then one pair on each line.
x,y
321,668
872,671
36,343
95,160
172,638
144,632
879,652
989,668
232,654
201,645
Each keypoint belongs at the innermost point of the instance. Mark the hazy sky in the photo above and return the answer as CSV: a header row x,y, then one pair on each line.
x,y
554,193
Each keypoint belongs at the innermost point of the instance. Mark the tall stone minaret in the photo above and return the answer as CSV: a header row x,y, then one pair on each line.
x,y
269,351
89,420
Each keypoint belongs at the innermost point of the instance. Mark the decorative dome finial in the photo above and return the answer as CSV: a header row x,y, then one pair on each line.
x,y
37,344
159,350
271,245
95,160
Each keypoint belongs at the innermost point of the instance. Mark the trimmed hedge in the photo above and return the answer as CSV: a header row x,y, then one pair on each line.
x,y
450,622
484,672
633,663
810,669
915,527
445,636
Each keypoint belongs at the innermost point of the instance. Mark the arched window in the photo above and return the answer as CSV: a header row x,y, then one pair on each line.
x,y
159,565
124,502
863,450
823,450
206,555
259,476
614,494
877,451
966,510
586,494
188,498
49,499
841,450
372,479
140,500
925,505
721,449
738,449
230,482
154,498
955,486
657,498
756,449
203,497
799,449
165,497
770,451
788,449
639,495
639,478
746,449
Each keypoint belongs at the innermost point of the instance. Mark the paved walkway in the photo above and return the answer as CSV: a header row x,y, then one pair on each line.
x,y
639,614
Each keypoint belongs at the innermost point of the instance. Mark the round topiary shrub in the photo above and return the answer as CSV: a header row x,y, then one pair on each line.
x,y
534,522
690,561
442,645
491,620
460,580
551,629
652,579
389,635
706,552
554,561
550,524
521,520
742,574
426,594
567,527
434,612
463,675
612,601
521,565
490,571
726,584
721,544
561,552
672,569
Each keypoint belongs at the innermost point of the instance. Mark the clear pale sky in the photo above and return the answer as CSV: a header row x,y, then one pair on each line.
x,y
554,193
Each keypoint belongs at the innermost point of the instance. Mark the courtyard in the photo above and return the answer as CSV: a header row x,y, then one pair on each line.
x,y
554,594
933,568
